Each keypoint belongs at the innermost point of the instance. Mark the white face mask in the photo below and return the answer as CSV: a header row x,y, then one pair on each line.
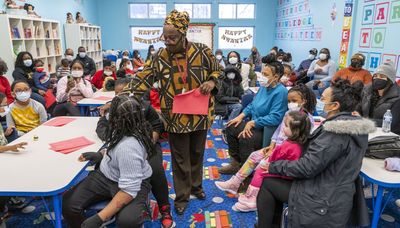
x,y
77,73
82,54
108,72
6,111
294,106
130,67
138,56
231,75
69,57
323,56
28,62
23,96
218,57
233,60
152,52
264,82
284,78
125,57
311,57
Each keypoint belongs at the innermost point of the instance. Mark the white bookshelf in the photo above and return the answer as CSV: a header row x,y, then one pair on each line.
x,y
88,36
40,37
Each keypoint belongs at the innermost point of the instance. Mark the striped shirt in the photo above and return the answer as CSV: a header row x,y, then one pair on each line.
x,y
127,164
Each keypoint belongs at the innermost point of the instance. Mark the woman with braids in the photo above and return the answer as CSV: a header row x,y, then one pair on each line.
x,y
300,98
267,109
324,184
123,175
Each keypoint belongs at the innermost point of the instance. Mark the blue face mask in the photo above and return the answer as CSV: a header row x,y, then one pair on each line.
x,y
320,108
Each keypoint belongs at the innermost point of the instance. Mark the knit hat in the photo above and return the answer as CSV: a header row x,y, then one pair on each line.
x,y
314,51
387,69
180,20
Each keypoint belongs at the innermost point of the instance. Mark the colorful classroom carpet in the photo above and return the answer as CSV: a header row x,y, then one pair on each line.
x,y
216,211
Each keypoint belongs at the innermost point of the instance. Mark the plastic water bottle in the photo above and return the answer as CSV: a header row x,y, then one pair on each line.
x,y
387,122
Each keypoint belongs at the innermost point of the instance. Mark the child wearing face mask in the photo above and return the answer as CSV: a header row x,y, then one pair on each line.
x,y
40,76
71,89
25,113
101,75
220,58
230,93
249,77
296,128
300,98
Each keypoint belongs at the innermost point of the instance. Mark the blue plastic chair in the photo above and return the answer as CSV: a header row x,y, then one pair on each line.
x,y
267,135
112,58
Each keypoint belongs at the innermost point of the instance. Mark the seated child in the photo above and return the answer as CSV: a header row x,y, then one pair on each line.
x,y
40,77
230,93
25,113
123,175
64,69
300,97
297,129
7,134
289,76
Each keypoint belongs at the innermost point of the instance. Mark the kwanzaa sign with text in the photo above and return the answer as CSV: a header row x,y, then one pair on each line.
x,y
142,37
235,37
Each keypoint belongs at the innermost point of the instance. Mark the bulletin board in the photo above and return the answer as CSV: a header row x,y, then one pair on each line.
x,y
376,32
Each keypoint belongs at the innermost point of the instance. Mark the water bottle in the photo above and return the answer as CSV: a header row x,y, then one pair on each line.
x,y
387,121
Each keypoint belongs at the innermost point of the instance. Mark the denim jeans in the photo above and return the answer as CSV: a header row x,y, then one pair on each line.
x,y
234,110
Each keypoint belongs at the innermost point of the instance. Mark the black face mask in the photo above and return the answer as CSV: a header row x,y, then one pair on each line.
x,y
356,64
179,47
379,84
254,52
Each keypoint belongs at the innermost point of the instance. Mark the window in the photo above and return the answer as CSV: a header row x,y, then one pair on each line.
x,y
236,11
144,11
199,11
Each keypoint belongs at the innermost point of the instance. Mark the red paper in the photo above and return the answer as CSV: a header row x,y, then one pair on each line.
x,y
67,151
59,121
102,98
49,98
70,144
192,102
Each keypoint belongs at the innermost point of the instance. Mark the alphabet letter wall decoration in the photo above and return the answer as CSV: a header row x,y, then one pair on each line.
x,y
381,13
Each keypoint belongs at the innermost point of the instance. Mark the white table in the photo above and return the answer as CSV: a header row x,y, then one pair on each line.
x,y
39,171
374,171
91,102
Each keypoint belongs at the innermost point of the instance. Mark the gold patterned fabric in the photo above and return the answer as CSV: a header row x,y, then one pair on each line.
x,y
180,20
202,66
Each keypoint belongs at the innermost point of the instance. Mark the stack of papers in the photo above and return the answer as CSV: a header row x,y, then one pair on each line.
x,y
102,98
70,145
59,121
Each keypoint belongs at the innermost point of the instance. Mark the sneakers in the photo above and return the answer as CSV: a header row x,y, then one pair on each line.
x,y
231,185
16,203
248,201
232,168
166,218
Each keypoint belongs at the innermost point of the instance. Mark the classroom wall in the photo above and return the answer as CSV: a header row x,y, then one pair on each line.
x,y
57,10
375,32
113,17
317,21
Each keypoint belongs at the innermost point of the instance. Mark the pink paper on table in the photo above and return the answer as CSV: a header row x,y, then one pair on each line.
x,y
102,98
67,151
192,102
70,144
59,121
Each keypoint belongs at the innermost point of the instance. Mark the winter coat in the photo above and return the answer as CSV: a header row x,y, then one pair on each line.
x,y
230,92
389,101
325,176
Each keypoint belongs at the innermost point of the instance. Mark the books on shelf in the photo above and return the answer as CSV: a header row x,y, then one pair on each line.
x,y
38,51
58,52
37,31
55,34
28,33
48,34
15,33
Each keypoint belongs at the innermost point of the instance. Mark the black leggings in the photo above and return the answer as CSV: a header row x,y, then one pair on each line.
x,y
273,193
158,181
96,188
66,109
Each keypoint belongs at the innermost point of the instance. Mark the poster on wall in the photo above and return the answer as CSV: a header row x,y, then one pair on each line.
x,y
235,37
375,21
142,37
201,33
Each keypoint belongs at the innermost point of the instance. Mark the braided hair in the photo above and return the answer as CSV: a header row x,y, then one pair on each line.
x,y
348,95
127,119
307,95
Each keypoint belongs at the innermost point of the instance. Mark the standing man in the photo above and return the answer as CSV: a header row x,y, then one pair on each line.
x,y
90,66
181,67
